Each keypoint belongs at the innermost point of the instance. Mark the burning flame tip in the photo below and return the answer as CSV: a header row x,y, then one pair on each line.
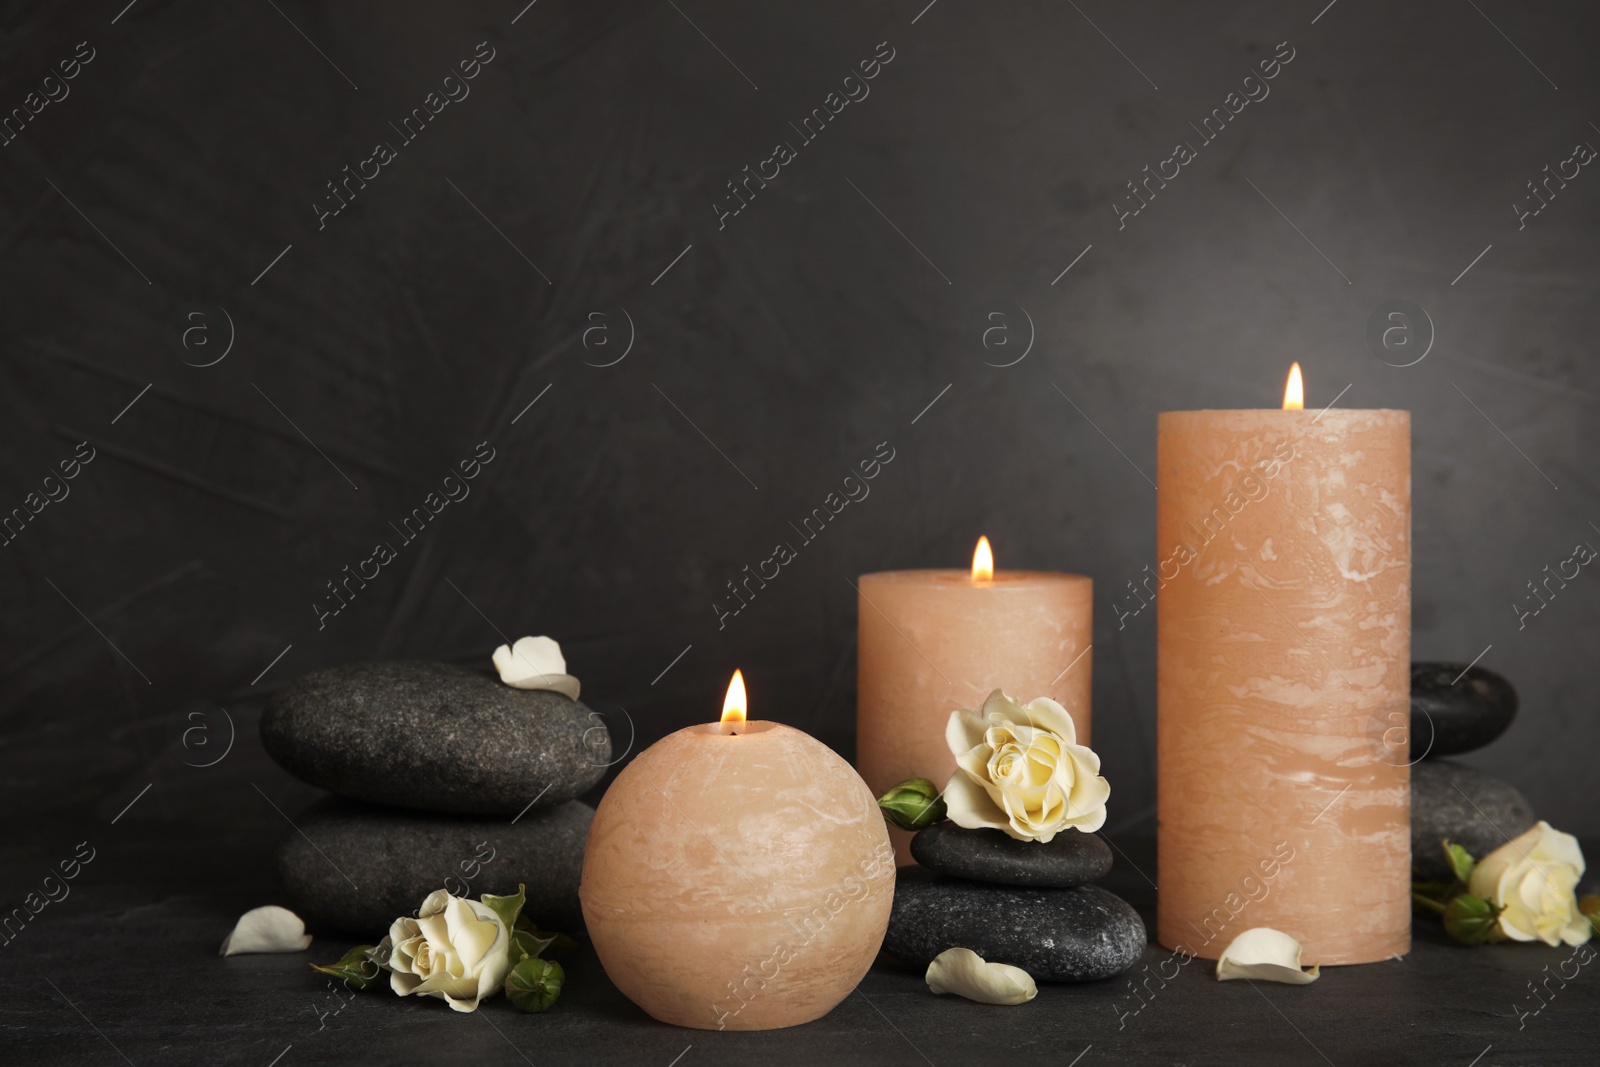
x,y
735,703
1294,391
983,561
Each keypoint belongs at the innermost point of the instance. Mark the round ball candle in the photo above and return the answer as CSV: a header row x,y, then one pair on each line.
x,y
1284,677
738,876
934,641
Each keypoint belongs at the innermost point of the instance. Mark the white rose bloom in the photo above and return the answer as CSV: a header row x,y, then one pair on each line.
x,y
1022,771
456,950
1532,877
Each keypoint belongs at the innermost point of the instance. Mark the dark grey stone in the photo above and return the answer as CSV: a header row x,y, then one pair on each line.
x,y
1475,810
1449,719
1057,935
1070,859
434,737
358,867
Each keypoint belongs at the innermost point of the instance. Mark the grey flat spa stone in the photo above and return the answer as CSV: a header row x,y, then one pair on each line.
x,y
1057,935
357,867
1475,810
1070,859
1451,716
435,737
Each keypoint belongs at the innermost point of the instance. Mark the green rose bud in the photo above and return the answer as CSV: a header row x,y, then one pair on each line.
x,y
1470,919
534,984
913,804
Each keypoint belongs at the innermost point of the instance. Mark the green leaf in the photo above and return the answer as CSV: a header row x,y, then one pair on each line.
x,y
555,945
1470,919
356,968
1460,860
560,945
913,804
534,984
526,945
507,908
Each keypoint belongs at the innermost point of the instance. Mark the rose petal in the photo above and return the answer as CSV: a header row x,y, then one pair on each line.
x,y
475,931
1049,715
964,732
535,663
966,974
1000,706
268,929
1266,955
969,806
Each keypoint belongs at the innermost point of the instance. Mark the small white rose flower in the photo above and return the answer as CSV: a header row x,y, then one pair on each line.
x,y
1532,877
966,974
456,950
268,929
1267,955
1022,771
535,663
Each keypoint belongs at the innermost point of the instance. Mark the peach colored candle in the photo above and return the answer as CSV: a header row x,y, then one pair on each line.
x,y
932,641
738,876
1285,646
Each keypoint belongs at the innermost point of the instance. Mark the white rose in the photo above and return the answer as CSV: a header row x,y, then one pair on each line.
x,y
1022,771
456,949
1532,877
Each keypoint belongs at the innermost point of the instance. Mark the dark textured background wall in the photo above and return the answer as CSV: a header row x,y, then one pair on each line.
x,y
579,178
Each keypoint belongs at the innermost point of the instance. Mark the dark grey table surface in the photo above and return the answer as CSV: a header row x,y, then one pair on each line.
x,y
125,970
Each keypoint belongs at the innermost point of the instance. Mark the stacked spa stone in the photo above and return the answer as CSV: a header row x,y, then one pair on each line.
x,y
1024,903
1456,709
445,778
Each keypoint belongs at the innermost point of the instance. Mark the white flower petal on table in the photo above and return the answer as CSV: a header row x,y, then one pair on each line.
x,y
535,663
966,974
1266,955
268,929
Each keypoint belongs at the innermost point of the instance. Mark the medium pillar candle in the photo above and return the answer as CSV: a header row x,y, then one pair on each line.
x,y
1285,646
934,641
737,876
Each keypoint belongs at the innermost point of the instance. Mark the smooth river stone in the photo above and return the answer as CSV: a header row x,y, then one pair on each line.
x,y
1479,821
1070,859
1461,717
435,737
1057,935
358,867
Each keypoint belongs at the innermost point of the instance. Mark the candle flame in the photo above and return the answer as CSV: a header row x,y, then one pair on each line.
x,y
1294,392
983,561
734,704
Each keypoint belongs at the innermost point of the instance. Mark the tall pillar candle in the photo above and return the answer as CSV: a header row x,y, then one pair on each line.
x,y
1285,635
933,641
